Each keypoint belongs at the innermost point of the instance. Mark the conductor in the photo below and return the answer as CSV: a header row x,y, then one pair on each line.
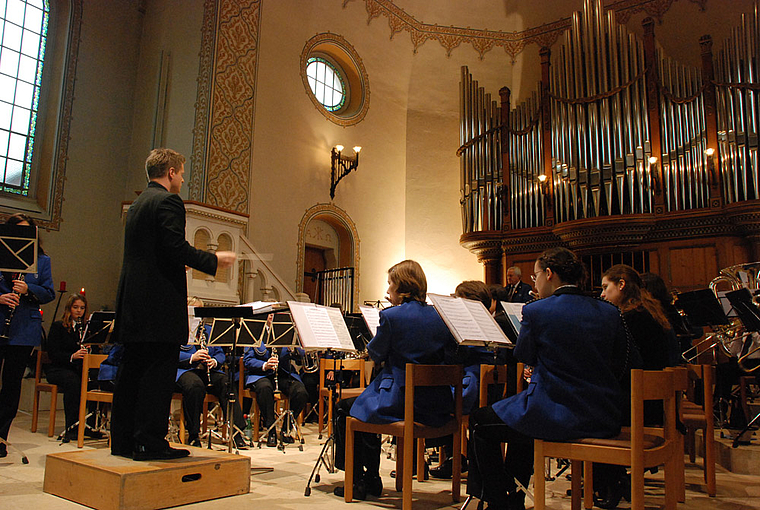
x,y
151,310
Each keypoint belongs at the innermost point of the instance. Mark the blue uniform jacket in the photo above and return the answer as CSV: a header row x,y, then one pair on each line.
x,y
475,356
186,352
254,360
410,333
26,327
110,365
572,342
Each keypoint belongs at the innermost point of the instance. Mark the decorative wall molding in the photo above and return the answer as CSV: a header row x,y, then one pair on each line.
x,y
225,108
513,43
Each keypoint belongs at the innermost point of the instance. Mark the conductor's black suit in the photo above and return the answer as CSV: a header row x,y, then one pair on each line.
x,y
151,318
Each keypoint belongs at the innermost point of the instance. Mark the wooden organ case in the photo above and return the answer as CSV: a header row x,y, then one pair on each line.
x,y
622,155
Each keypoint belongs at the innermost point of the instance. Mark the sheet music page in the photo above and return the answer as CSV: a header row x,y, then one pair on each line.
x,y
485,321
371,317
458,318
316,328
514,314
341,330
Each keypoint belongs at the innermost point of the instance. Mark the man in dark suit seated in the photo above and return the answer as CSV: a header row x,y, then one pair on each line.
x,y
517,290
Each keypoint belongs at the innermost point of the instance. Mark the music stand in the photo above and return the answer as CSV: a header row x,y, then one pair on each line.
x,y
702,308
749,315
360,333
18,254
99,327
230,319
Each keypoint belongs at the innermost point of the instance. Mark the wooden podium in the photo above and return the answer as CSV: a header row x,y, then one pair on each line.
x,y
97,479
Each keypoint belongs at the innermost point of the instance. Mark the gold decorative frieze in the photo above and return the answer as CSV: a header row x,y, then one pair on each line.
x,y
483,41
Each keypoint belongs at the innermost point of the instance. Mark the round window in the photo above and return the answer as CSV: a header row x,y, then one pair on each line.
x,y
335,79
326,83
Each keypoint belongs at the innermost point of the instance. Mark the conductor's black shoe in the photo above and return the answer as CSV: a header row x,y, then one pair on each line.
x,y
196,443
3,450
286,439
272,439
142,453
360,491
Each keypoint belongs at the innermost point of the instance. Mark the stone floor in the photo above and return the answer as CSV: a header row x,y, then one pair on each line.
x,y
282,486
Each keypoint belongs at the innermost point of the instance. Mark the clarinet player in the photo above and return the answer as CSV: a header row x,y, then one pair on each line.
x,y
25,295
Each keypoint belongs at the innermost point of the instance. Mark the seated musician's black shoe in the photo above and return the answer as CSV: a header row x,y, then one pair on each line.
x,y
3,450
272,439
360,491
286,439
64,438
195,442
142,453
93,434
414,472
240,442
445,471
373,485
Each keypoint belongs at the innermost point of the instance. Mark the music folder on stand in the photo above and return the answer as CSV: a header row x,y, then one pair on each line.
x,y
232,326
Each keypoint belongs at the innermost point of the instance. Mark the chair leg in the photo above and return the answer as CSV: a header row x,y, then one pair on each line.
x,y
539,482
456,468
637,487
588,485
408,473
82,414
672,481
680,469
53,406
576,468
399,464
692,444
709,459
35,409
421,460
348,484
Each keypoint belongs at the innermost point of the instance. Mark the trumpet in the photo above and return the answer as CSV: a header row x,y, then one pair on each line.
x,y
9,318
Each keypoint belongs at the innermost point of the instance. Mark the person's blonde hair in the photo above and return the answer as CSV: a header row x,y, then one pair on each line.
x,y
410,281
474,289
68,323
161,160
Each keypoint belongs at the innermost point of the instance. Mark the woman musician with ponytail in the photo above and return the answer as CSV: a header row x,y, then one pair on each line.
x,y
25,331
66,351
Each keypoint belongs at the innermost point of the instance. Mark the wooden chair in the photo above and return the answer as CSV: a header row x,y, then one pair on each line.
x,y
325,392
636,446
700,416
43,359
90,361
407,430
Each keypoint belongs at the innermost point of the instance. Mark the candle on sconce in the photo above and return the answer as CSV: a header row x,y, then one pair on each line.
x,y
62,287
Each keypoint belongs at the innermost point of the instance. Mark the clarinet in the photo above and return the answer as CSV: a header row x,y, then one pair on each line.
x,y
276,372
9,318
202,343
79,329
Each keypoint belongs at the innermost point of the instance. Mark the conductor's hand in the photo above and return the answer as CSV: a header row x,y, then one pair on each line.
x,y
199,356
20,287
271,363
9,299
225,258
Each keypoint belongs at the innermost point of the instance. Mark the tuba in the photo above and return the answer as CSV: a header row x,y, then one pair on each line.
x,y
310,362
732,339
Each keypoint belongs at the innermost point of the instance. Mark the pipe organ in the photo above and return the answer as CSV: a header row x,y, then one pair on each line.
x,y
620,150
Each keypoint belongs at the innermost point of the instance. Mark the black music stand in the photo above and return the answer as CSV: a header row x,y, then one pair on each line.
x,y
18,254
230,319
99,327
357,327
749,315
702,308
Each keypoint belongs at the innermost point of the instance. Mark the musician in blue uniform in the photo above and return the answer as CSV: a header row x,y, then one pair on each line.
x,y
580,352
25,295
200,373
261,368
409,332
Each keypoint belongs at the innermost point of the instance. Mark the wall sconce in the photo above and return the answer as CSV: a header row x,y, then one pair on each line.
x,y
543,182
712,167
341,166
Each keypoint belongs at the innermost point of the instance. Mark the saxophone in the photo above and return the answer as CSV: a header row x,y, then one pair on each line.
x,y
9,318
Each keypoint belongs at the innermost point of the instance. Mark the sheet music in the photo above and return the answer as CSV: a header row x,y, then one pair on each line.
x,y
469,321
514,314
319,327
371,317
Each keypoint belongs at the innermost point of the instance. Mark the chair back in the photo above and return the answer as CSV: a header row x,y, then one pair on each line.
x,y
92,361
432,375
652,385
353,365
42,359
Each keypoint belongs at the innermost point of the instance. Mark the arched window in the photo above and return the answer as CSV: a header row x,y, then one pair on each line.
x,y
22,55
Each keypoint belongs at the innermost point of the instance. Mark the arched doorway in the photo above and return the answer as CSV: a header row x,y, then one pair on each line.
x,y
328,243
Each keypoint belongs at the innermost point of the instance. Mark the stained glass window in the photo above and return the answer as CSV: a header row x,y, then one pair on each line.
x,y
23,32
326,83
